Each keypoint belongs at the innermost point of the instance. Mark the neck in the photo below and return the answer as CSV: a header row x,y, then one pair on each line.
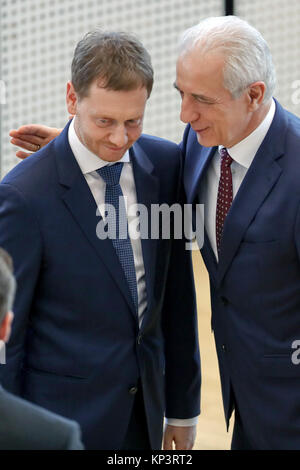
x,y
255,120
260,115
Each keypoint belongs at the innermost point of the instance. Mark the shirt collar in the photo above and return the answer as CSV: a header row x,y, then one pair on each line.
x,y
87,160
244,151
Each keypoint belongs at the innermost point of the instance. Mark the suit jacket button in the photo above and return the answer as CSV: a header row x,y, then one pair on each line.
x,y
139,339
224,300
133,390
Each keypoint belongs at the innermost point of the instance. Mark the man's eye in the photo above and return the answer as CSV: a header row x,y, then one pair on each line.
x,y
203,101
134,122
102,122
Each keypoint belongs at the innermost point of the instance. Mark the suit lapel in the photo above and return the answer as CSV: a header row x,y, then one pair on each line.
x,y
147,189
195,169
257,184
80,202
196,164
209,258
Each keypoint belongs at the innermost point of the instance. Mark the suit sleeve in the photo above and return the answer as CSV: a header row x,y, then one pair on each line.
x,y
182,144
297,232
21,238
74,438
182,371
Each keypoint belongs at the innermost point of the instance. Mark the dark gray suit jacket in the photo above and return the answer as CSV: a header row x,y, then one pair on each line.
x,y
24,426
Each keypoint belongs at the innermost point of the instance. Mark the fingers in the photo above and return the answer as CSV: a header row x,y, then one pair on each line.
x,y
27,145
32,139
31,130
167,445
22,155
183,437
168,439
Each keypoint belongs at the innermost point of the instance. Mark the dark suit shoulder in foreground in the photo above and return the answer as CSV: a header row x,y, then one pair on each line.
x,y
24,426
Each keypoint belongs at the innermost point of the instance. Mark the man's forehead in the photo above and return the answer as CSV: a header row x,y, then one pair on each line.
x,y
199,74
101,87
194,59
107,98
112,110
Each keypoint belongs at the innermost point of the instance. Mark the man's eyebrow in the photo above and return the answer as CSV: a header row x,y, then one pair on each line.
x,y
203,98
207,99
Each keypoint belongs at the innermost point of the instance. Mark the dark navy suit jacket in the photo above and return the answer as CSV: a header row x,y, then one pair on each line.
x,y
255,287
76,347
24,426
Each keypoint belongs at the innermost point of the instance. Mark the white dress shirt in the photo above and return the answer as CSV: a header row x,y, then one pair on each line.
x,y
242,154
89,163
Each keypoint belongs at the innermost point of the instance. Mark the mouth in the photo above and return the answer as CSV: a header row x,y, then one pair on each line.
x,y
115,149
200,131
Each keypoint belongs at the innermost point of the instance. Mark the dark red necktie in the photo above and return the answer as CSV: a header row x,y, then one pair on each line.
x,y
225,194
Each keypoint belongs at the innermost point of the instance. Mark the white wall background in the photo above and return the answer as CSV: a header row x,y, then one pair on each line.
x,y
38,38
279,23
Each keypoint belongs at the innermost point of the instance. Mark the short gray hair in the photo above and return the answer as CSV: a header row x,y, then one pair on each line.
x,y
116,58
247,55
7,284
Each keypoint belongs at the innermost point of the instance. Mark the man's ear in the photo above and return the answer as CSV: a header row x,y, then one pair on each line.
x,y
5,327
256,94
71,99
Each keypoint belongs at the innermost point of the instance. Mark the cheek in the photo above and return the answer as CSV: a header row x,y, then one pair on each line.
x,y
134,134
224,125
96,134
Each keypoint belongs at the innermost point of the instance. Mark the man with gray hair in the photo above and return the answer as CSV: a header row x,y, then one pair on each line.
x,y
24,426
105,328
242,162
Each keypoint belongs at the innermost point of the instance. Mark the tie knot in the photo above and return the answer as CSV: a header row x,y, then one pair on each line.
x,y
111,173
225,157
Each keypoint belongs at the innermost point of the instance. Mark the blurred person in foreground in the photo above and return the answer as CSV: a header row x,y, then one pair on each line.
x,y
105,328
24,426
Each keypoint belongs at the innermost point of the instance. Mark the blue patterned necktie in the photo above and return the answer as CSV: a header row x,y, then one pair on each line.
x,y
114,197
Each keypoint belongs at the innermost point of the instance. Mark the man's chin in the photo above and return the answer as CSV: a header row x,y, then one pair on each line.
x,y
111,155
205,142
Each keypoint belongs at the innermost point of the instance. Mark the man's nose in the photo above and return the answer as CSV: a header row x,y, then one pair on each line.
x,y
119,136
188,112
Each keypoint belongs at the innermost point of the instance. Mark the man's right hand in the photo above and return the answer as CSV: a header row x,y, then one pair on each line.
x,y
32,137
